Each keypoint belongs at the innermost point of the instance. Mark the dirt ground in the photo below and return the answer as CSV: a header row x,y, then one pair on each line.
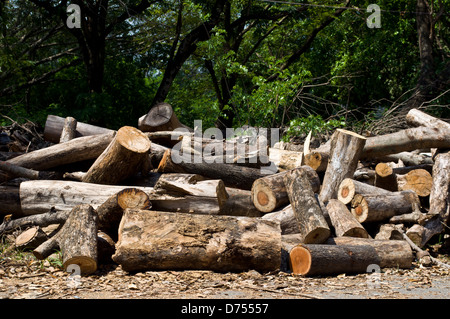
x,y
32,279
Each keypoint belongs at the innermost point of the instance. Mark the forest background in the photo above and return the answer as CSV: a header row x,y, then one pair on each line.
x,y
300,65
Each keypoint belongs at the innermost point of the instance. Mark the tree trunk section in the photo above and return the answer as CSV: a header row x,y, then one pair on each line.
x,y
38,197
376,208
385,178
76,150
416,117
439,200
111,211
269,192
123,158
345,151
161,117
307,210
392,253
417,180
349,188
284,159
55,125
30,238
406,140
19,171
151,240
77,240
344,223
322,260
69,130
40,220
232,175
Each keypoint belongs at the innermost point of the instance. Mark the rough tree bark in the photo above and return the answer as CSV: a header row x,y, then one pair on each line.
x,y
162,240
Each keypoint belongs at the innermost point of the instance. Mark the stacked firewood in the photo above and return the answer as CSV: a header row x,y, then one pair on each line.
x,y
128,197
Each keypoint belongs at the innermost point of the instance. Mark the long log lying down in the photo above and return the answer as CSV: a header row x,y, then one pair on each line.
x,y
313,259
373,208
19,171
392,253
269,192
77,240
232,175
345,151
306,207
207,188
408,158
344,223
349,188
40,220
406,140
124,157
416,117
152,240
38,197
76,150
287,220
55,124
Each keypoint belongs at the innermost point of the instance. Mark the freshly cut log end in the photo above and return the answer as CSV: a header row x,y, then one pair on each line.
x,y
311,260
360,208
418,180
31,238
265,199
317,160
383,169
133,198
375,208
123,157
269,192
300,260
161,117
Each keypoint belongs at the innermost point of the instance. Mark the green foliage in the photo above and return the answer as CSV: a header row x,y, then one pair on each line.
x,y
312,123
345,70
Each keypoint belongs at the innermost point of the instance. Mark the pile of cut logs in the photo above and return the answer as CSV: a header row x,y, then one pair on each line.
x,y
101,196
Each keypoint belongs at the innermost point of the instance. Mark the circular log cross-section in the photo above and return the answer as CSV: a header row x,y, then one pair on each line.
x,y
121,159
269,192
161,117
310,260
